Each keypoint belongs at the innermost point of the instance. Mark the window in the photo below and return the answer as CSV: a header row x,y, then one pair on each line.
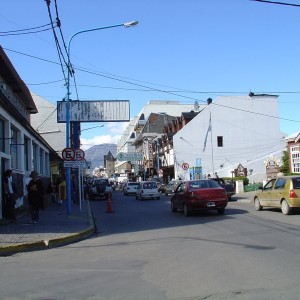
x,y
26,153
220,141
2,136
34,157
14,147
280,183
41,161
47,167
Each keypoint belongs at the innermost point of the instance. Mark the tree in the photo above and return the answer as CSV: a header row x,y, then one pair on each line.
x,y
285,167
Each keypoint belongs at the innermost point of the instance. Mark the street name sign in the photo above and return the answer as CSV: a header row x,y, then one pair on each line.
x,y
129,156
75,164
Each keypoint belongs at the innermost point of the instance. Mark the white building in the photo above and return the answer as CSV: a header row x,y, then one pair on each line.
x,y
171,108
231,131
45,123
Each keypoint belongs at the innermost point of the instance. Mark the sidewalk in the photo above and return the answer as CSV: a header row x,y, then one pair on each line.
x,y
55,228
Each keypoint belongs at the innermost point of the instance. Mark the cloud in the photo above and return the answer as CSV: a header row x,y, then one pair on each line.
x,y
98,140
115,130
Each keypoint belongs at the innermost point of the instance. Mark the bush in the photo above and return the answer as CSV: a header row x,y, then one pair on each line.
x,y
245,179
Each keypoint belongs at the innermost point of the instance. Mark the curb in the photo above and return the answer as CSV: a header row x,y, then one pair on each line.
x,y
53,243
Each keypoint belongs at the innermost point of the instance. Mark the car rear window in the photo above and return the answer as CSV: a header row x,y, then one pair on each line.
x,y
133,184
296,183
102,182
203,184
150,185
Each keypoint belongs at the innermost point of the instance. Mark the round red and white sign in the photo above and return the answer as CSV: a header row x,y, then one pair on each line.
x,y
185,166
68,154
79,154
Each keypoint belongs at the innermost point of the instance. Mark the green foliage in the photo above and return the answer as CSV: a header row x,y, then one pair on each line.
x,y
285,167
245,179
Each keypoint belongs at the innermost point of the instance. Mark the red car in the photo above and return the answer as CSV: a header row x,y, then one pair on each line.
x,y
202,194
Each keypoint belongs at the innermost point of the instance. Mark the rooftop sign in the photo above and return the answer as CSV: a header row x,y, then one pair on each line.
x,y
94,111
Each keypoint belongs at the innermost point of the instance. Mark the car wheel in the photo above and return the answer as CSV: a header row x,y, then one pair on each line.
x,y
166,194
157,198
221,211
136,197
257,204
173,208
285,208
186,210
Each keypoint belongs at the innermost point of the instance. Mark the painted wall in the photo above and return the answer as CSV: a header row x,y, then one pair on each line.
x,y
249,136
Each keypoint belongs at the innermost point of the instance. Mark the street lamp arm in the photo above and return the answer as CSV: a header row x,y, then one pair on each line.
x,y
126,25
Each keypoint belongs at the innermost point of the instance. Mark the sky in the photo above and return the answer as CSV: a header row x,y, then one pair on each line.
x,y
183,50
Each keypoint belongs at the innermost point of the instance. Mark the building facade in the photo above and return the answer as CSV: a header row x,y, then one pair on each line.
x,y
230,133
22,149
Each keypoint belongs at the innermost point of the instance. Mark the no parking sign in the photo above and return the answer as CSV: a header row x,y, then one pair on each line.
x,y
185,166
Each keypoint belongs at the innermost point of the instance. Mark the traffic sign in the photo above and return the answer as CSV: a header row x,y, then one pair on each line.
x,y
185,166
68,154
129,156
75,164
79,154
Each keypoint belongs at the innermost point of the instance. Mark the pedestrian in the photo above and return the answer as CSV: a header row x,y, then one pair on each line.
x,y
35,196
9,199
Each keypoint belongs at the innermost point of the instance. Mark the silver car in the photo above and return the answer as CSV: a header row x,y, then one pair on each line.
x,y
130,188
147,190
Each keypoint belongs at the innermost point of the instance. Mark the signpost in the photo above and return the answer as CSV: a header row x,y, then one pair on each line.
x,y
74,158
130,156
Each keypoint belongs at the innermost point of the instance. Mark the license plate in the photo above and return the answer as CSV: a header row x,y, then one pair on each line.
x,y
211,204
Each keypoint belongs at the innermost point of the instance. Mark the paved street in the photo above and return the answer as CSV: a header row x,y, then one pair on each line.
x,y
144,251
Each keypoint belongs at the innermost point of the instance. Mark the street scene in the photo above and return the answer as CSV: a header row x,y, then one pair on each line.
x,y
149,150
143,250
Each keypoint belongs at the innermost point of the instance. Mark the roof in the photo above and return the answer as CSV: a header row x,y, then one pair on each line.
x,y
11,76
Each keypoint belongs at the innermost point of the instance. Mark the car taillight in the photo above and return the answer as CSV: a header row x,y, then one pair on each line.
x,y
293,194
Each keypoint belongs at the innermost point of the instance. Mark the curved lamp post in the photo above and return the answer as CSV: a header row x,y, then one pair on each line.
x,y
68,172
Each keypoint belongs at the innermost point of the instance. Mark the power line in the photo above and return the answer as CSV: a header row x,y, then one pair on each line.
x,y
276,2
26,29
162,91
22,33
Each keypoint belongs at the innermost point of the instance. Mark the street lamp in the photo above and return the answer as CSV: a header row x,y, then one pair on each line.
x,y
68,172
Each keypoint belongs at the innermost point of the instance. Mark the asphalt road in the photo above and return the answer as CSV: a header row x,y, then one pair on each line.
x,y
144,251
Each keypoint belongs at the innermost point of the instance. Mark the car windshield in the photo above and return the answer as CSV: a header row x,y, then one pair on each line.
x,y
149,185
132,184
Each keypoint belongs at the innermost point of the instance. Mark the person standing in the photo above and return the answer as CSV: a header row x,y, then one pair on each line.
x,y
9,199
35,196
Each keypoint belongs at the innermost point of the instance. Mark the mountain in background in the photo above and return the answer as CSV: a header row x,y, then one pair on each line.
x,y
95,154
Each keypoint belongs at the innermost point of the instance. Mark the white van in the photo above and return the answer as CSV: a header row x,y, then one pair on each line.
x,y
147,190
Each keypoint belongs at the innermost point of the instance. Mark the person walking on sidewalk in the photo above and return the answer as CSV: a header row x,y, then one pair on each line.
x,y
9,200
35,196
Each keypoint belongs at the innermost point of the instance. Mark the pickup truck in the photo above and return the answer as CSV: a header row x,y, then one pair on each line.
x,y
229,187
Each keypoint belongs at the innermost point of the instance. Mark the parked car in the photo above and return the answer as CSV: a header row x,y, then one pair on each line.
x,y
130,188
171,187
196,195
228,186
282,192
99,187
147,190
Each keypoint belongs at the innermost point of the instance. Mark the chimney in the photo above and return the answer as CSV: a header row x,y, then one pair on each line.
x,y
209,101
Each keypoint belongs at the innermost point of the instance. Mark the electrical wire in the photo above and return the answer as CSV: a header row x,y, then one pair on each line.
x,y
26,29
22,33
276,2
65,47
59,51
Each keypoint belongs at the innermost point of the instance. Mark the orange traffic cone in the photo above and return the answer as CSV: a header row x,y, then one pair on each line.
x,y
109,204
